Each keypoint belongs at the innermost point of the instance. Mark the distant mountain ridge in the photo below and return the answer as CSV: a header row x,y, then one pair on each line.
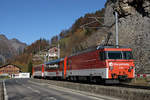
x,y
10,48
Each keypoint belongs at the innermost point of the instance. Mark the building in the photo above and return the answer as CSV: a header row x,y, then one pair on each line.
x,y
9,70
46,55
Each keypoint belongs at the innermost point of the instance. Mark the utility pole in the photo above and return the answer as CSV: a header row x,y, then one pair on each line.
x,y
45,55
117,40
58,51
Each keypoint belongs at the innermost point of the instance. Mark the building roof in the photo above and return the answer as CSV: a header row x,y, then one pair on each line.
x,y
54,61
10,64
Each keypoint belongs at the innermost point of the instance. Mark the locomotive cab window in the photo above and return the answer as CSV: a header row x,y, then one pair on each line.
x,y
102,55
119,55
114,55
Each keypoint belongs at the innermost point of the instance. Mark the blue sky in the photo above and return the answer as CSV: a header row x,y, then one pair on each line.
x,y
29,20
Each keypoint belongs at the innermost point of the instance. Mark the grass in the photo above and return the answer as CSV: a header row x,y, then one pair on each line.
x,y
4,77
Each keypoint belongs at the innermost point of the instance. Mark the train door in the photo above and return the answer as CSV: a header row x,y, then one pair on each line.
x,y
70,67
64,68
32,71
42,70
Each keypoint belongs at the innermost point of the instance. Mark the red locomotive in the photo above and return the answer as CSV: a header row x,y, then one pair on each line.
x,y
103,63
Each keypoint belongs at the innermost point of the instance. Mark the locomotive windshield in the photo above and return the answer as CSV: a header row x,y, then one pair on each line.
x,y
116,55
127,55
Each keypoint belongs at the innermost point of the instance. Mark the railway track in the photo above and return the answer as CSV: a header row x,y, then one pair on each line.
x,y
121,85
125,85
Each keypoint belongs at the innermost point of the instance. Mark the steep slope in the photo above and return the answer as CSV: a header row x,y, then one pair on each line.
x,y
9,48
17,45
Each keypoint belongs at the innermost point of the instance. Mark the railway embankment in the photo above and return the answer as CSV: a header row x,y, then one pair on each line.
x,y
114,91
1,90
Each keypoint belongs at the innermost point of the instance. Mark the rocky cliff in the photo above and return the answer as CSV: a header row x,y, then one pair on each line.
x,y
10,48
134,28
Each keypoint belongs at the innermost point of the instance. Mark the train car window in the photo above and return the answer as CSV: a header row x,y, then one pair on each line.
x,y
114,55
59,65
70,64
127,55
102,55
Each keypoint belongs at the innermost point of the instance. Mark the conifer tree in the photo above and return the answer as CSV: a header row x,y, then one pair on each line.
x,y
30,67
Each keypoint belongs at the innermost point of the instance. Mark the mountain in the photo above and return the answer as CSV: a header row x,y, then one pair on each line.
x,y
10,48
18,46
